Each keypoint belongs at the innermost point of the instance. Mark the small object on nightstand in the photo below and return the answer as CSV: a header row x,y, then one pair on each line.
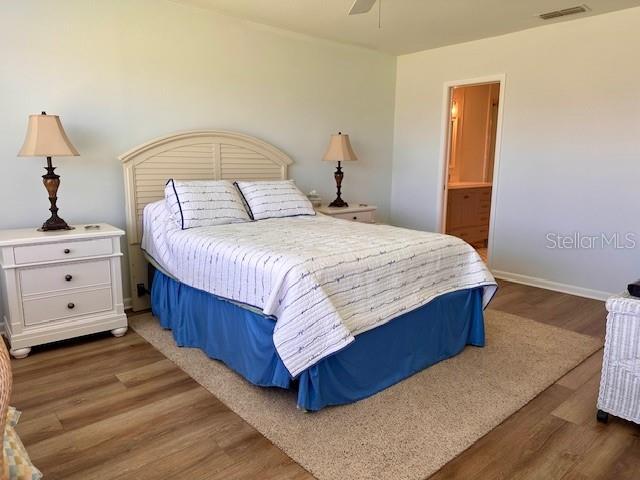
x,y
60,285
339,151
46,138
314,198
363,213
634,289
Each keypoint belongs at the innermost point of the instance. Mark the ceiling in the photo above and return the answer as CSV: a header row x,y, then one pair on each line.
x,y
407,25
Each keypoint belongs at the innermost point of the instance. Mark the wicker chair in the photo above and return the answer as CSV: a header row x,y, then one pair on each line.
x,y
5,393
620,381
14,459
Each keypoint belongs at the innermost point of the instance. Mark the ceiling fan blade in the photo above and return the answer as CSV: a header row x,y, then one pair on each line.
x,y
361,6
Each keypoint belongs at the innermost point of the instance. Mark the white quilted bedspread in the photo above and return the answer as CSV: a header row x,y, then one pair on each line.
x,y
325,280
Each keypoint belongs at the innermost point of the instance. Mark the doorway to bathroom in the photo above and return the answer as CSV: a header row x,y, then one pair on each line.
x,y
472,147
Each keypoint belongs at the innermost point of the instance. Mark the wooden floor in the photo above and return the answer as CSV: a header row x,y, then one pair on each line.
x,y
115,408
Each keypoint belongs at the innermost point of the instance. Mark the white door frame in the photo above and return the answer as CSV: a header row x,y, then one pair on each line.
x,y
444,151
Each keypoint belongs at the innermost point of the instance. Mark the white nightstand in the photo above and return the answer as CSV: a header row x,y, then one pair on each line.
x,y
357,213
60,284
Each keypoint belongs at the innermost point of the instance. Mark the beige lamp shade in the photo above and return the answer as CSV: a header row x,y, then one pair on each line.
x,y
340,149
46,138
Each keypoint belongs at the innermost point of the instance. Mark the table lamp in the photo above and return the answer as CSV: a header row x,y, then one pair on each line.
x,y
339,151
46,138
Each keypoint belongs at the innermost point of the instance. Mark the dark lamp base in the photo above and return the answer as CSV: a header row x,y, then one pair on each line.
x,y
51,182
338,203
54,223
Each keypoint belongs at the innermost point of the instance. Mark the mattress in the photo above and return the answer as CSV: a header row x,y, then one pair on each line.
x,y
324,280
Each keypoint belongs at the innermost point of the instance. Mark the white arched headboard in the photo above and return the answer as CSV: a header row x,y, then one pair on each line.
x,y
194,155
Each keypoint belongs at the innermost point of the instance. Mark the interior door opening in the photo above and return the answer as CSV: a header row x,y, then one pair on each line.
x,y
469,173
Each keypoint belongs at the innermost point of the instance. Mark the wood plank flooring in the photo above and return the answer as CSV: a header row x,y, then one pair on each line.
x,y
115,408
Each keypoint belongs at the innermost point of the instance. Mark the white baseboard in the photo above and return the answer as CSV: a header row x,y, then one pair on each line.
x,y
549,285
127,303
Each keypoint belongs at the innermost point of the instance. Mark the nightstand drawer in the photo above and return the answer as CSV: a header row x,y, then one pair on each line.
x,y
65,276
62,250
364,217
61,307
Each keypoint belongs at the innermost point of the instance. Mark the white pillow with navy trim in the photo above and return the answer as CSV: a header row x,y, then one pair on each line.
x,y
203,203
273,199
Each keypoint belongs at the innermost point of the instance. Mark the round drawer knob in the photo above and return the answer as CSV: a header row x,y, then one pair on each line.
x,y
68,278
355,218
66,250
71,306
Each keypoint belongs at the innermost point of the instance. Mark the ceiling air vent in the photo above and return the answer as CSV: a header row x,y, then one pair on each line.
x,y
564,12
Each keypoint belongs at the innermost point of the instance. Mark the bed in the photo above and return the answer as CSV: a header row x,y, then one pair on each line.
x,y
334,309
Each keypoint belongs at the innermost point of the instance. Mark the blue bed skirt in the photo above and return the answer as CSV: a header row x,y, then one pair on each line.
x,y
377,359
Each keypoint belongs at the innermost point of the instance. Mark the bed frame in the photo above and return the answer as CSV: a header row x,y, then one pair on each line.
x,y
192,155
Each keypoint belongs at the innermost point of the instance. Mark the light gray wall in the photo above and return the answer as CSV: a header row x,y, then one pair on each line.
x,y
124,71
121,72
570,149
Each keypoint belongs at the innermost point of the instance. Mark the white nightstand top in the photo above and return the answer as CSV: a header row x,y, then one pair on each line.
x,y
353,208
33,236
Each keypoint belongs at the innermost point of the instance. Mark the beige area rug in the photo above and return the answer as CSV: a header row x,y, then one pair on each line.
x,y
411,429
